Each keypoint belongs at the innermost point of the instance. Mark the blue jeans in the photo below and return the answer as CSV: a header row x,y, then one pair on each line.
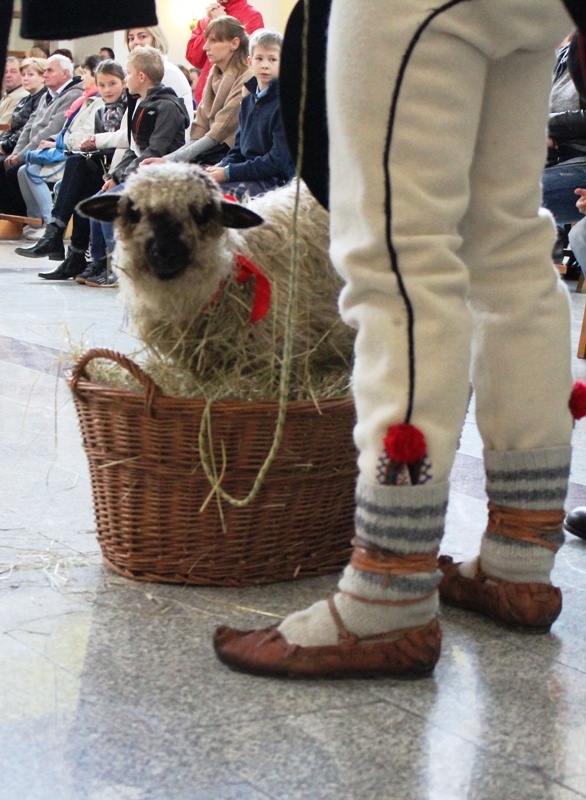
x,y
577,237
36,193
558,184
102,239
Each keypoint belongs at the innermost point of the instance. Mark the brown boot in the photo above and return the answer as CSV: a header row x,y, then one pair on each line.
x,y
407,653
532,607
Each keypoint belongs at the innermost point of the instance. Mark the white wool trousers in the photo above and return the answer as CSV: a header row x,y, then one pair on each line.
x,y
437,117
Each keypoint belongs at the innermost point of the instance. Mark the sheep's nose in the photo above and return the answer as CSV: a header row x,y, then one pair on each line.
x,y
166,258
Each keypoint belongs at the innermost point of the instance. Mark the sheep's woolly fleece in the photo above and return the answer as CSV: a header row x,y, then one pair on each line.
x,y
197,322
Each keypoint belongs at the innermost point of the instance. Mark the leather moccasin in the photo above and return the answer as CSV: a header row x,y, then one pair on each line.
x,y
411,653
529,607
575,522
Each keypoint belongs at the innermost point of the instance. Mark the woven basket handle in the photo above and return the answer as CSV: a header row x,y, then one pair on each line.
x,y
148,384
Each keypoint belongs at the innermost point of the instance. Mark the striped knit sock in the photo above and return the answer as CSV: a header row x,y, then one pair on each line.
x,y
526,491
391,581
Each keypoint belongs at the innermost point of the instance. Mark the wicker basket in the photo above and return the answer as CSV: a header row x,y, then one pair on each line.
x,y
149,487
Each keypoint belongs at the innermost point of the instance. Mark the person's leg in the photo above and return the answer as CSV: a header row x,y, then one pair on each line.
x,y
521,369
392,160
577,240
79,182
405,293
36,193
559,183
243,189
11,199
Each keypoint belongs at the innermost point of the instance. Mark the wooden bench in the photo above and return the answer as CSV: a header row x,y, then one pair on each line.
x,y
11,225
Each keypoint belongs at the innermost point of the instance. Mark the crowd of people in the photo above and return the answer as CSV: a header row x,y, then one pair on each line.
x,y
73,132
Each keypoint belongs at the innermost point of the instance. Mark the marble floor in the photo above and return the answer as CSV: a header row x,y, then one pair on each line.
x,y
109,689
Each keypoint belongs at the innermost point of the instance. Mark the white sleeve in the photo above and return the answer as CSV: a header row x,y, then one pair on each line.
x,y
175,79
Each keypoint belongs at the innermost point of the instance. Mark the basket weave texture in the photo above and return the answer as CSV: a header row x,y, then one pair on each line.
x,y
149,487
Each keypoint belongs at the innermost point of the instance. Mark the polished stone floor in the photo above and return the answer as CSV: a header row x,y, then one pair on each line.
x,y
109,689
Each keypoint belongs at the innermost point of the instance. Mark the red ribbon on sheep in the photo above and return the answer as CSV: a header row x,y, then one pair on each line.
x,y
262,289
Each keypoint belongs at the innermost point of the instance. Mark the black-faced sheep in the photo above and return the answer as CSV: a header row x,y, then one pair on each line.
x,y
179,242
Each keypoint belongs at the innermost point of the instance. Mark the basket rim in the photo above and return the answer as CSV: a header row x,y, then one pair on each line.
x,y
154,396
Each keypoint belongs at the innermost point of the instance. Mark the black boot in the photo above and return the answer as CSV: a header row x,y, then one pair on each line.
x,y
73,265
51,245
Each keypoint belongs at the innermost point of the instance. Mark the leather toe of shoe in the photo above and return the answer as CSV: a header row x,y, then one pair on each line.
x,y
412,653
28,252
575,522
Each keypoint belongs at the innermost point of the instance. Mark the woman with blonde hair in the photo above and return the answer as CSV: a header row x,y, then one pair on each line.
x,y
31,70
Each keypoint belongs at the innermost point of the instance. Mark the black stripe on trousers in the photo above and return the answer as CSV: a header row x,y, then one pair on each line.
x,y
388,196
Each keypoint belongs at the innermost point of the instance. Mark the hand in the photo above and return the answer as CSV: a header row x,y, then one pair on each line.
x,y
581,204
110,184
11,161
215,10
88,144
217,173
45,144
152,160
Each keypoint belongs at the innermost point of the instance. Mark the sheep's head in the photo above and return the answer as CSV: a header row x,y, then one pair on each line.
x,y
169,211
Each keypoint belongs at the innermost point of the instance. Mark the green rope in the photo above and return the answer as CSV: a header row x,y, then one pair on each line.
x,y
205,425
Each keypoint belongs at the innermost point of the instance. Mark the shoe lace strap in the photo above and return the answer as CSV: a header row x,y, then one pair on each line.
x,y
532,527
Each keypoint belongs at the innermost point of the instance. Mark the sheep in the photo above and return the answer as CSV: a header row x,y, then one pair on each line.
x,y
177,243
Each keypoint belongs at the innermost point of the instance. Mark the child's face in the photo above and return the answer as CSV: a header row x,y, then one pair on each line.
x,y
264,63
133,80
110,87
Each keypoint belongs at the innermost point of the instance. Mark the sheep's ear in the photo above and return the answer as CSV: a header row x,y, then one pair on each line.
x,y
233,215
104,207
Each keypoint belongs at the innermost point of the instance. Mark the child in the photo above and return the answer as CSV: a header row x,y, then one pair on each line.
x,y
437,230
157,122
82,177
260,159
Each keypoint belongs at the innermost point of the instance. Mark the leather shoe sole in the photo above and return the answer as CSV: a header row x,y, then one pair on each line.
x,y
527,607
409,653
56,275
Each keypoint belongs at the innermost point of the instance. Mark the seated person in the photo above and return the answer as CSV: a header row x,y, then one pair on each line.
x,y
31,71
216,119
158,122
577,236
48,119
36,181
566,166
260,159
196,54
83,176
13,90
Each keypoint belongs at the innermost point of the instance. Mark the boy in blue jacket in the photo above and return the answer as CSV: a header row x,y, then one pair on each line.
x,y
259,160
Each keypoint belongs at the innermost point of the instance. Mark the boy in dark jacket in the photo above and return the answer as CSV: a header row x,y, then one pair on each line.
x,y
260,159
156,126
156,116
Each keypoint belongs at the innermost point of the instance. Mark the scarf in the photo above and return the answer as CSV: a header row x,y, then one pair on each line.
x,y
77,104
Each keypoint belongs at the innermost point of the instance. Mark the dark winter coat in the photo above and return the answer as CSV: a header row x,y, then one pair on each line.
x,y
260,152
157,125
20,116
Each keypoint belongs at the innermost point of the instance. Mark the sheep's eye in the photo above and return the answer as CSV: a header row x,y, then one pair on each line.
x,y
133,213
203,215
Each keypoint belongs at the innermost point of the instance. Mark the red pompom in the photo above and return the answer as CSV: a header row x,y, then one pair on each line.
x,y
404,443
578,400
